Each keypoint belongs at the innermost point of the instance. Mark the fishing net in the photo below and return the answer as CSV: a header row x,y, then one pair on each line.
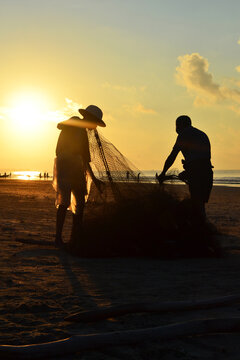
x,y
121,177
133,215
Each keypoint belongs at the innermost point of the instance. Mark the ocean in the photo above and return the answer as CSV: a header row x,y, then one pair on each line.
x,y
221,177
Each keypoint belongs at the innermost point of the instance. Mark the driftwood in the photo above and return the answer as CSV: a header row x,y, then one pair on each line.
x,y
113,311
79,343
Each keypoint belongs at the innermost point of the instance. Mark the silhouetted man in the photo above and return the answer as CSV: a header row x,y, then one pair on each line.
x,y
196,149
72,165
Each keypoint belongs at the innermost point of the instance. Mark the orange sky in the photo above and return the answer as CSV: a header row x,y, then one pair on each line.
x,y
143,62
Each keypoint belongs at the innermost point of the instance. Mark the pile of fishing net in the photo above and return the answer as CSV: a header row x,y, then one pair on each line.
x,y
134,215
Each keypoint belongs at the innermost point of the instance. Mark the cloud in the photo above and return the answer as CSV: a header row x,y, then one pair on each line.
x,y
128,89
231,94
139,109
235,108
71,106
193,73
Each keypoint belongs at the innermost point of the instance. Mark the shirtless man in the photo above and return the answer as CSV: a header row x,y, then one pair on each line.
x,y
196,149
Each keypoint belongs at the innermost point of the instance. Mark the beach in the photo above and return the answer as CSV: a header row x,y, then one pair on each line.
x,y
40,285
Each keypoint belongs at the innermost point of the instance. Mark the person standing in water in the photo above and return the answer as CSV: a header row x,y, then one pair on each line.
x,y
71,168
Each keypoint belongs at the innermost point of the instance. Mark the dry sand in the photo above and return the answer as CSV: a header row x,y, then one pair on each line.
x,y
40,284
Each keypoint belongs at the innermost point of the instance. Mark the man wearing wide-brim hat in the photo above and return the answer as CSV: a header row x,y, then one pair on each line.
x,y
72,168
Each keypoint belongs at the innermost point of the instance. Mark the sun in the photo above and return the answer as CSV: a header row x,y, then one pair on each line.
x,y
28,113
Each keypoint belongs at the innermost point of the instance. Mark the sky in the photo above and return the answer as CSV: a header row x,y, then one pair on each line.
x,y
143,62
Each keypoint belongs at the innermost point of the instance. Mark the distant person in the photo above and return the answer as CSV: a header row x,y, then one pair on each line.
x,y
196,149
72,164
127,175
138,177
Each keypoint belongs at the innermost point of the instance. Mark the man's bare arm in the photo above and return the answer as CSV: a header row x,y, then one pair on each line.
x,y
89,170
170,160
168,163
96,181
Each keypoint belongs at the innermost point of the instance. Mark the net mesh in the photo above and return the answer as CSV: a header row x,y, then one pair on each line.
x,y
121,177
133,215
120,167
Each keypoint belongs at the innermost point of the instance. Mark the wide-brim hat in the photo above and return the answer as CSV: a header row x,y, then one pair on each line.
x,y
92,115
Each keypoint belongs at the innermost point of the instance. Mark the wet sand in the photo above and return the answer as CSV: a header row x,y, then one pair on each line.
x,y
40,285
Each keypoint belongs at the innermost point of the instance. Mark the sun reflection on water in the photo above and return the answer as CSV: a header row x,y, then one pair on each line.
x,y
26,175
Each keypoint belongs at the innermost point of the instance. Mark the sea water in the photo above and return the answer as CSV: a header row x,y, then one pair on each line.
x,y
221,177
25,175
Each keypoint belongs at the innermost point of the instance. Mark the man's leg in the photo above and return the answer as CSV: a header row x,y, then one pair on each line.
x,y
199,197
61,214
198,211
77,217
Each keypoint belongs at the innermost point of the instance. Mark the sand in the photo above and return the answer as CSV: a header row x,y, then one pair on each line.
x,y
40,285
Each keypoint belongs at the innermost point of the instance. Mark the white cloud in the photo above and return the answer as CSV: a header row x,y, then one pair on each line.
x,y
139,109
193,73
71,106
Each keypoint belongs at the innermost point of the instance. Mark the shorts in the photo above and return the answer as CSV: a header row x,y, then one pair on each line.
x,y
70,183
199,176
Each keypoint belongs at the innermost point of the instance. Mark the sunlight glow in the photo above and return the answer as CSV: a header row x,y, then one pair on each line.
x,y
27,113
26,175
30,112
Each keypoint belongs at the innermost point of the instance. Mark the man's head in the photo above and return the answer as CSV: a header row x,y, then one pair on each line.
x,y
182,122
92,115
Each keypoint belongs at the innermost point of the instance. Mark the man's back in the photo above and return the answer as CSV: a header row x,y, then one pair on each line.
x,y
194,144
73,141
